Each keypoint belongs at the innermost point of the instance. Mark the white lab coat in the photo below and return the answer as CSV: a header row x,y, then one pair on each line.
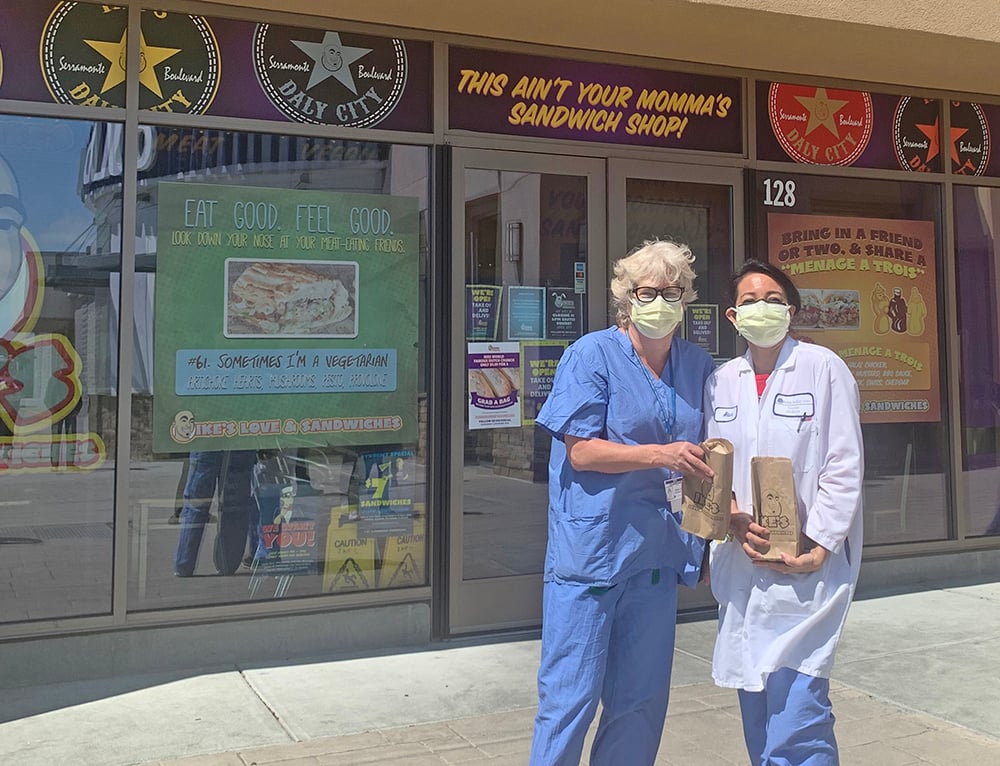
x,y
809,412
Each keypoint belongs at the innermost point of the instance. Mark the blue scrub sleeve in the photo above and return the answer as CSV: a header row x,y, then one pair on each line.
x,y
578,403
691,567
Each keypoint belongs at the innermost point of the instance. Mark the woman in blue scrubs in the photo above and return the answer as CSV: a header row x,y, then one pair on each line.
x,y
626,420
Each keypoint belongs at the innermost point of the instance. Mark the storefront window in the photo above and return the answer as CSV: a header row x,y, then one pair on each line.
x,y
525,250
59,267
279,409
977,255
867,258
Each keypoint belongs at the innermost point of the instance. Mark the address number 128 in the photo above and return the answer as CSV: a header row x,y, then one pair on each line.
x,y
779,193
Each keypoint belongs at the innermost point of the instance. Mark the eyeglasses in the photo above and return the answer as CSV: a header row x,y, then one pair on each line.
x,y
670,294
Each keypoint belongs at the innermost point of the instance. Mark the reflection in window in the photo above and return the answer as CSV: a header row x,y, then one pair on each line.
x,y
699,216
59,259
977,254
526,233
280,400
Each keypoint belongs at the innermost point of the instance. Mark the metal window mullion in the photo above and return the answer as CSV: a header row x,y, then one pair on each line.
x,y
953,344
126,322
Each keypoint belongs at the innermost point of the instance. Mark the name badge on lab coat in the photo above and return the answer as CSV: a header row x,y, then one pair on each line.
x,y
725,414
794,405
673,488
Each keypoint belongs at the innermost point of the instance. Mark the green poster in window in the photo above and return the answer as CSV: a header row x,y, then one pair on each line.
x,y
284,318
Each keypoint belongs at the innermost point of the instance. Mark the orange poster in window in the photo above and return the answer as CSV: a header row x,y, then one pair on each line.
x,y
869,292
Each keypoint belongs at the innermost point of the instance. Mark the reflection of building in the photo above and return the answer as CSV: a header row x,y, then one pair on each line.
x,y
501,203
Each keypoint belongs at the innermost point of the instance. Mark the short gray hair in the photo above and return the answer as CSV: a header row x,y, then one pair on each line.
x,y
652,263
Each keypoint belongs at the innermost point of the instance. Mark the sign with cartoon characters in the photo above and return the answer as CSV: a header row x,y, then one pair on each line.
x,y
869,292
284,318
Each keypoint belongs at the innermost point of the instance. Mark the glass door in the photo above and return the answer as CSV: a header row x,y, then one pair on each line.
x,y
699,207
529,277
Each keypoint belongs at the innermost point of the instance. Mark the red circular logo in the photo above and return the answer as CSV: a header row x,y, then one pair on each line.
x,y
820,126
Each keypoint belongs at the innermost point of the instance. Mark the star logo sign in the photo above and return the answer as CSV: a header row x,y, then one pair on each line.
x,y
315,75
822,111
916,134
932,132
331,58
91,70
149,57
820,126
956,133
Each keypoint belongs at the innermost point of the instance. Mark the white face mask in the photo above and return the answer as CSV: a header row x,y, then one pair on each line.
x,y
763,324
658,318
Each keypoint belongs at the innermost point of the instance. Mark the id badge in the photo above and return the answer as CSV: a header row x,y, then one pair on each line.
x,y
673,489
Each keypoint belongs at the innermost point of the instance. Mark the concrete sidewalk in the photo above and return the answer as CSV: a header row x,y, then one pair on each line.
x,y
915,683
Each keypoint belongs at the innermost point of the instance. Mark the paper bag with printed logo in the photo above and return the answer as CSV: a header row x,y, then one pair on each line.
x,y
706,504
774,505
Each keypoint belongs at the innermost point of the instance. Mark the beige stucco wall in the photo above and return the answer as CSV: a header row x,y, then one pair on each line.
x,y
972,19
953,45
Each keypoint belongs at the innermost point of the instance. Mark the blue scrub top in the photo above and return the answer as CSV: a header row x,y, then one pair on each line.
x,y
605,528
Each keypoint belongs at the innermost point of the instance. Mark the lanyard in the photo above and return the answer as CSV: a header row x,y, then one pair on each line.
x,y
668,420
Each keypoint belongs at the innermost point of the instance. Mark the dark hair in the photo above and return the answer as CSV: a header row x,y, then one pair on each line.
x,y
762,267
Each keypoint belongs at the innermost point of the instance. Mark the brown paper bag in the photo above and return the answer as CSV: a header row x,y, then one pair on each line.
x,y
774,505
706,504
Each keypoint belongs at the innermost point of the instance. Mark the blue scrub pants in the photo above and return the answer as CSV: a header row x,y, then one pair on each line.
x,y
790,723
613,644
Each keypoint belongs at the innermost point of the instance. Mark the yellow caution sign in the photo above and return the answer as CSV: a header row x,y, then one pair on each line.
x,y
405,560
349,563
350,576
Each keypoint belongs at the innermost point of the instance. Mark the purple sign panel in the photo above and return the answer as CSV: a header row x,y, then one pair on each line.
x,y
322,76
815,125
63,52
331,77
514,94
74,53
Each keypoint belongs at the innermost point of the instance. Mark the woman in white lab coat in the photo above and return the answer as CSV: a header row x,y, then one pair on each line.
x,y
779,623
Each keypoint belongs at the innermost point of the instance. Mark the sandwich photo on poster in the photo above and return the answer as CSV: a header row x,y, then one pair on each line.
x,y
291,299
